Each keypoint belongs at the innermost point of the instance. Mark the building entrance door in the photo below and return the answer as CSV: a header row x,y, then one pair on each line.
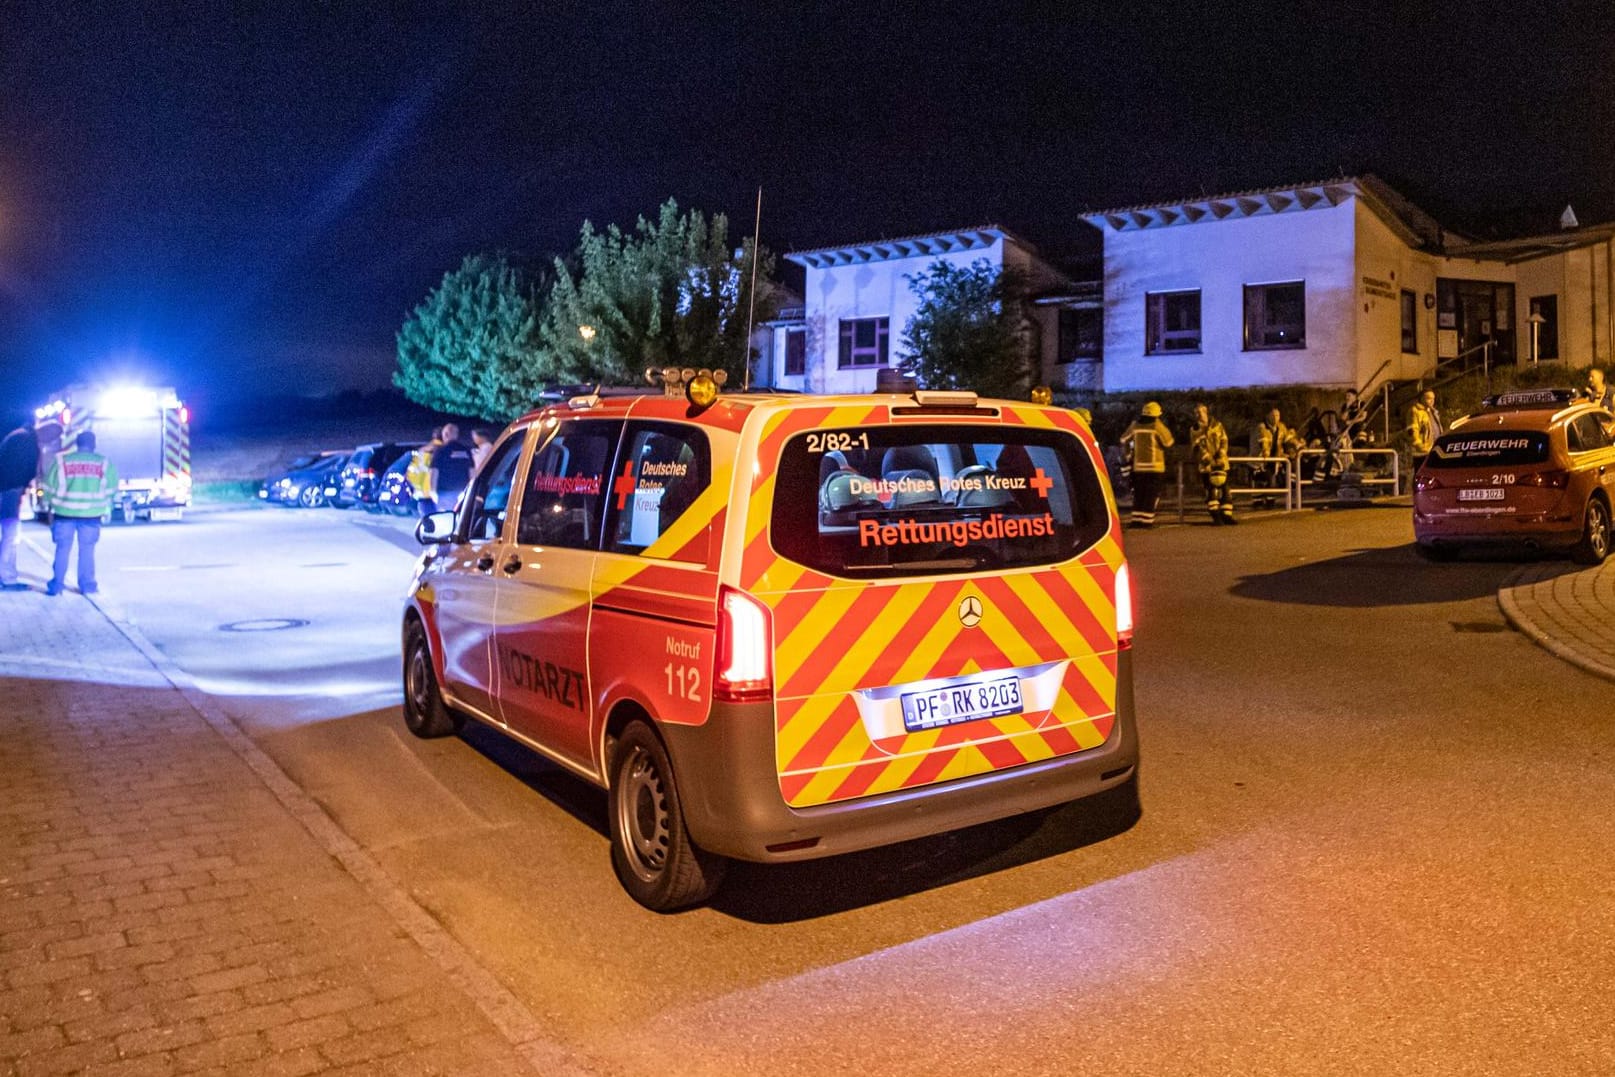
x,y
1479,311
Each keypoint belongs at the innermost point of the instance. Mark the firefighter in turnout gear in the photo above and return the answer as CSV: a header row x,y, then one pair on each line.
x,y
1210,443
79,488
1144,443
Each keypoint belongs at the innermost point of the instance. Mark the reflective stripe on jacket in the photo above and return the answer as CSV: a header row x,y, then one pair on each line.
x,y
1148,440
1210,448
80,485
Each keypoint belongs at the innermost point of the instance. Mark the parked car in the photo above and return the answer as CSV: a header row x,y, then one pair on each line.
x,y
775,628
302,482
357,480
1533,468
393,491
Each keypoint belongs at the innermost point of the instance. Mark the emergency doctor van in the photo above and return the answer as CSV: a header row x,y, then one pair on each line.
x,y
784,627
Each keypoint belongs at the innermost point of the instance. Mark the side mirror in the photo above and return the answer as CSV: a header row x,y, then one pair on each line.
x,y
437,527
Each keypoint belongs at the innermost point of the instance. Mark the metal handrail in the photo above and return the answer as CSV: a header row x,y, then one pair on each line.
x,y
1394,480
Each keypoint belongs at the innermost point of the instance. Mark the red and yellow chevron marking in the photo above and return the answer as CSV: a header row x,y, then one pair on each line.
x,y
176,445
833,638
832,641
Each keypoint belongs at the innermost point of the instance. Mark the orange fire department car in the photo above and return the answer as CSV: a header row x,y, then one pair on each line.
x,y
784,627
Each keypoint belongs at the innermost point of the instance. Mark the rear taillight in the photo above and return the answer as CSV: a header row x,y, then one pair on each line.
x,y
367,473
745,672
1426,481
1124,609
1547,480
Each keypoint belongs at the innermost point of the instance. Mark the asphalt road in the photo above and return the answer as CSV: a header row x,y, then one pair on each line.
x,y
1375,838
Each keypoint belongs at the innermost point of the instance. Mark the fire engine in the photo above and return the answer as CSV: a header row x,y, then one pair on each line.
x,y
144,431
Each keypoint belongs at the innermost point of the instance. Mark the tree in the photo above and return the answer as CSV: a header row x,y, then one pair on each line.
x,y
670,293
971,330
472,348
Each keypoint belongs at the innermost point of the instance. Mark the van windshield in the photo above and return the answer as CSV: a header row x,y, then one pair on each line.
x,y
928,500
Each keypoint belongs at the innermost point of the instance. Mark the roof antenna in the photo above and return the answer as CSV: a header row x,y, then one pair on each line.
x,y
751,308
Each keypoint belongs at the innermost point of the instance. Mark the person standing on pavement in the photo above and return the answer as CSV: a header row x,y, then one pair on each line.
x,y
79,488
419,474
1210,443
1145,441
19,464
451,468
1424,426
1272,439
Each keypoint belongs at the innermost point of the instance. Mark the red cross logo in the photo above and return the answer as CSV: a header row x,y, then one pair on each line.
x,y
1041,483
624,485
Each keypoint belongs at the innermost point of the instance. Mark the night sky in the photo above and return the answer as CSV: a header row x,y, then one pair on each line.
x,y
252,196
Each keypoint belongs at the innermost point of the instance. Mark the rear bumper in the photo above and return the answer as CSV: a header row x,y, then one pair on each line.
x,y
732,803
1553,530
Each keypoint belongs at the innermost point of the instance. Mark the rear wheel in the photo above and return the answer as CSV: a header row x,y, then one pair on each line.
x,y
655,860
425,713
1595,534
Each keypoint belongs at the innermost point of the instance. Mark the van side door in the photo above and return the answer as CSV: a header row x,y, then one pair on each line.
x,y
541,643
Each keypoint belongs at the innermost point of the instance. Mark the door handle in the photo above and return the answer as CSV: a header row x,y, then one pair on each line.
x,y
485,563
512,564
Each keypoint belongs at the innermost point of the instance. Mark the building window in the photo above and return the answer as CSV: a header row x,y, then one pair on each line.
x,y
863,342
795,352
1082,335
1172,322
1410,322
1275,316
1547,330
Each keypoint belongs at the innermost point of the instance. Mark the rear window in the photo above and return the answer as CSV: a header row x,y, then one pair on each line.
x,y
923,500
1494,448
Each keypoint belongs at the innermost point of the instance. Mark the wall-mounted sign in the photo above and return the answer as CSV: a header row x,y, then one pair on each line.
x,y
1382,289
1447,319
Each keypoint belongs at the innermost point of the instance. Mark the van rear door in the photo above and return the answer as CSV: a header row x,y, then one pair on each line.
x,y
943,600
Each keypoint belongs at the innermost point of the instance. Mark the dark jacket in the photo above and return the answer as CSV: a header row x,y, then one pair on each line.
x,y
19,459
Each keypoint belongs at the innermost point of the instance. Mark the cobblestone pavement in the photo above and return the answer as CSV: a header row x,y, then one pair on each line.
x,y
171,903
1571,612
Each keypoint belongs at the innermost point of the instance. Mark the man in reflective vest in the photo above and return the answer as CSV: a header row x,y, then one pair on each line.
x,y
1145,442
79,488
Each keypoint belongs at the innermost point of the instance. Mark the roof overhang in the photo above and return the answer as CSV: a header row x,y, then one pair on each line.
x,y
1410,224
926,246
1530,248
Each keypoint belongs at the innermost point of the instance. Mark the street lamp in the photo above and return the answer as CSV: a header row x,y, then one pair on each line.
x,y
586,332
1536,319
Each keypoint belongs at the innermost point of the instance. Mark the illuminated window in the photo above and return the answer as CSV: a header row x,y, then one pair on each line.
x,y
795,352
1275,316
1410,322
863,342
1172,322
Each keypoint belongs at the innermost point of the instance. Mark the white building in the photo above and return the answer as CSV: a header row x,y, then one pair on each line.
x,y
857,301
1341,283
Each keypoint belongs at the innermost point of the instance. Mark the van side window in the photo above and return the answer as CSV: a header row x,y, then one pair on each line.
x,y
563,496
664,467
490,493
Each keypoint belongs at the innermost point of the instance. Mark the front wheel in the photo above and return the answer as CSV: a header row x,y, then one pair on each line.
x,y
1595,535
312,497
651,851
425,713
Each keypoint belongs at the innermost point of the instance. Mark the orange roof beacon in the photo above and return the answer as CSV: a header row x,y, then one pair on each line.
x,y
1533,468
779,627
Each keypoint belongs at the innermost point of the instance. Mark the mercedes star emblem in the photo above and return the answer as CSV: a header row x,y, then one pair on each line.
x,y
970,611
